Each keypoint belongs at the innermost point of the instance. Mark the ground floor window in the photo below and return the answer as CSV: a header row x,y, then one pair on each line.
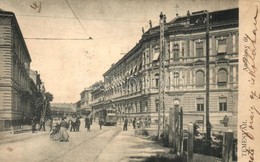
x,y
222,104
200,104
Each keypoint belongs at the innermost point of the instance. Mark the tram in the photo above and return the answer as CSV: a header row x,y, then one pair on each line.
x,y
109,116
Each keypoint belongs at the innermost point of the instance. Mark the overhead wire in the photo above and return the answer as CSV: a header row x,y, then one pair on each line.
x,y
81,18
76,16
75,39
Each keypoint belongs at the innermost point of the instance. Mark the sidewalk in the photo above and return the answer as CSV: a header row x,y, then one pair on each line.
x,y
126,146
7,136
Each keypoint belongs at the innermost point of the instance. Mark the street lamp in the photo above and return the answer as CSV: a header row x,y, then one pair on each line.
x,y
176,102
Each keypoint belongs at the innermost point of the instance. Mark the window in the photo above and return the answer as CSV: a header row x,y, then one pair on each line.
x,y
222,46
199,49
157,105
222,77
222,104
156,80
200,80
156,55
200,104
146,107
141,109
176,51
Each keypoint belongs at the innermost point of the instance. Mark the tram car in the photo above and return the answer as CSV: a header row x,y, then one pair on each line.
x,y
109,116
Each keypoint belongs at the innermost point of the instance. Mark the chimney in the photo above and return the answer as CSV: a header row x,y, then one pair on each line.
x,y
150,23
164,18
188,13
188,17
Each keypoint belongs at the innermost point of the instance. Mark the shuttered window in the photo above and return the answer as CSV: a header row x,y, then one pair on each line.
x,y
222,77
222,46
200,80
199,49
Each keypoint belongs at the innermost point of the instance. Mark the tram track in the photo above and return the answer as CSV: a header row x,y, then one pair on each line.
x,y
54,159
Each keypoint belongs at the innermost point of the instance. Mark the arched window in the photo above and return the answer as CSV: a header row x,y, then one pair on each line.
x,y
200,80
222,77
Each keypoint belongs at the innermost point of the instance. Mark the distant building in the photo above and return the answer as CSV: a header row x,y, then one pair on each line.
x,y
97,93
85,98
131,85
62,109
14,73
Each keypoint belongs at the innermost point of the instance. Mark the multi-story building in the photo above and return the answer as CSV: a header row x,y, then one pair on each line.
x,y
131,85
97,93
14,72
85,98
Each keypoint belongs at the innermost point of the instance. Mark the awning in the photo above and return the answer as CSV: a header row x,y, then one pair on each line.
x,y
156,56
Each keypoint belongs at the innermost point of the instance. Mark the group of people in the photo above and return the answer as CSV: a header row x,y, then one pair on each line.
x,y
74,123
89,120
140,123
41,122
59,129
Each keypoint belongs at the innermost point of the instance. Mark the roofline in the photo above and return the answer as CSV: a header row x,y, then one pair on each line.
x,y
11,14
168,23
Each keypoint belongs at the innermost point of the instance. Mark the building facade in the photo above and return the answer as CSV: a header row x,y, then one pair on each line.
x,y
131,85
14,72
85,98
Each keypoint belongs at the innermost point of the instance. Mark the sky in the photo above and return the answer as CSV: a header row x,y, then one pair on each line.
x,y
71,62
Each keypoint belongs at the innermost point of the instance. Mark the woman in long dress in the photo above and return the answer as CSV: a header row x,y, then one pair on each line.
x,y
64,136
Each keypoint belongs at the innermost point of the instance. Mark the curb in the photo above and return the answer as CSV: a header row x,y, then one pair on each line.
x,y
21,136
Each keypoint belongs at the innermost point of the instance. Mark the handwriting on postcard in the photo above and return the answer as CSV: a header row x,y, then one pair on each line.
x,y
36,6
248,126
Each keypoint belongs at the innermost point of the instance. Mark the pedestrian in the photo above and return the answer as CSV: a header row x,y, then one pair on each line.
x,y
73,124
134,122
63,134
42,123
101,122
87,124
91,120
77,124
33,121
125,124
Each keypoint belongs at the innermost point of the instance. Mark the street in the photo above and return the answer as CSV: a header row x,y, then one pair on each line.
x,y
108,144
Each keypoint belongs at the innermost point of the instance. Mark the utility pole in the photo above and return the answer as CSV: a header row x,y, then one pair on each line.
x,y
163,94
208,127
161,80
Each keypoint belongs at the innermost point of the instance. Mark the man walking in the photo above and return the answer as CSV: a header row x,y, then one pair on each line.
x,y
87,124
125,124
42,123
100,123
33,124
134,122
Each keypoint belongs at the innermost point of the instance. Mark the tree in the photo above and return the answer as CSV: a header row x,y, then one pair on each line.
x,y
47,109
42,104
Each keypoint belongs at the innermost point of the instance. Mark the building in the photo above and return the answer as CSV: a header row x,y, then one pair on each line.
x,y
63,109
131,85
85,98
14,73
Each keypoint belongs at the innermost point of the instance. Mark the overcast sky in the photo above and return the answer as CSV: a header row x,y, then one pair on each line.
x,y
68,66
